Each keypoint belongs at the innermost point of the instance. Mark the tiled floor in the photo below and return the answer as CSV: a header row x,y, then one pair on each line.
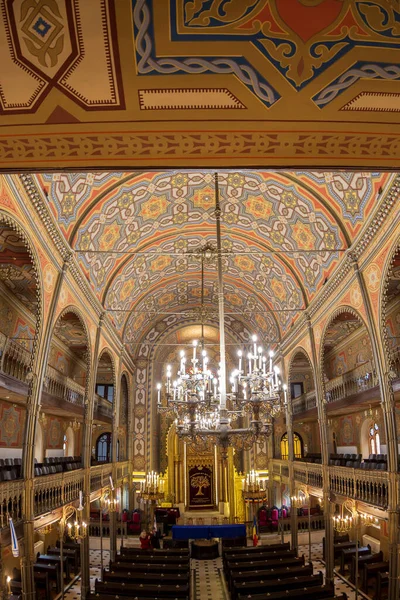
x,y
208,580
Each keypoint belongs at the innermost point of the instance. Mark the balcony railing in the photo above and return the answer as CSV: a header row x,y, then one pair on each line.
x,y
102,406
358,380
100,476
280,467
15,359
304,402
361,484
59,385
52,491
308,473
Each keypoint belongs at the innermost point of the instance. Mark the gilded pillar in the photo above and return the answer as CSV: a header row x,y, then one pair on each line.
x,y
86,460
389,419
32,412
322,420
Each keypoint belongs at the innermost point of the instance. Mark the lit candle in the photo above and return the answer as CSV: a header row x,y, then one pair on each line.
x,y
249,358
240,360
271,354
254,338
159,393
285,392
260,357
264,360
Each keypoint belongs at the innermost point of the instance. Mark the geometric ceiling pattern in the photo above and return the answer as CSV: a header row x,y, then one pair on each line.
x,y
137,236
16,268
177,83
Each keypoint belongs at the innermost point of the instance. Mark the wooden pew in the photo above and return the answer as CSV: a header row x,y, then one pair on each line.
x,y
230,555
128,567
72,555
264,564
256,574
155,560
276,585
181,552
363,560
51,559
145,577
136,597
345,557
256,549
317,592
148,590
382,586
371,572
53,572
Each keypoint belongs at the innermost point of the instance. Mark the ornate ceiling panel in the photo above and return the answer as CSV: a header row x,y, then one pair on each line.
x,y
177,82
16,268
283,233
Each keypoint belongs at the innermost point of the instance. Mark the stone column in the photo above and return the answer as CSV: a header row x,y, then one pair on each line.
x,y
389,418
86,459
321,410
32,413
114,442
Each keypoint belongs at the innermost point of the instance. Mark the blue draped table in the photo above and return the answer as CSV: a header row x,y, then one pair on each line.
x,y
206,532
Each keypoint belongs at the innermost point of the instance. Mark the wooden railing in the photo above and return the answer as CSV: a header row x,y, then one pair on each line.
x,y
357,380
52,491
304,402
360,484
100,476
316,522
15,359
59,385
308,473
102,406
280,467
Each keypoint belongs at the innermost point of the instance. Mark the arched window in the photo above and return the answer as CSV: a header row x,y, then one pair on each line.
x,y
103,448
374,439
297,446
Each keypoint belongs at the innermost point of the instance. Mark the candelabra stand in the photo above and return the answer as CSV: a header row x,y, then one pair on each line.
x,y
151,492
253,492
300,501
108,503
77,530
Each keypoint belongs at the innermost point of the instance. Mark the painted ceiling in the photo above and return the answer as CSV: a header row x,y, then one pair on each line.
x,y
137,238
16,268
181,82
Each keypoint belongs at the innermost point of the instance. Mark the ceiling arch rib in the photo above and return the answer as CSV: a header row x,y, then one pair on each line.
x,y
275,212
180,298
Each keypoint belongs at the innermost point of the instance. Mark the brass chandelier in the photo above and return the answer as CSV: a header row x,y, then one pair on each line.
x,y
197,397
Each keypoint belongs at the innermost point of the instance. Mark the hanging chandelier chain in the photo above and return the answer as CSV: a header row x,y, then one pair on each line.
x,y
198,400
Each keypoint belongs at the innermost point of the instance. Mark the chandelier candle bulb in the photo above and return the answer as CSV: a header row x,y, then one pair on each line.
x,y
264,365
254,338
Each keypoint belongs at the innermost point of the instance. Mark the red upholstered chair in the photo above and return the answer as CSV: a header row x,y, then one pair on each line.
x,y
262,517
134,525
284,512
274,519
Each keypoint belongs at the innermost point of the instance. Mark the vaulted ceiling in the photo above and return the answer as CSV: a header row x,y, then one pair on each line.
x,y
137,238
179,83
